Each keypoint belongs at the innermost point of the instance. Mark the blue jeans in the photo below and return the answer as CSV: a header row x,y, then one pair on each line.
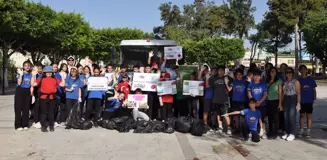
x,y
289,108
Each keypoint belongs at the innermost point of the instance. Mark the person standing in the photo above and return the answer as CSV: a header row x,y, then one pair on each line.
x,y
291,104
167,100
23,97
220,97
308,97
258,91
274,101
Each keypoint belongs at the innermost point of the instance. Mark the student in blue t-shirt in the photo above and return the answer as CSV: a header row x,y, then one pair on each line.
x,y
239,90
94,102
252,118
258,91
112,106
23,97
308,97
208,93
73,93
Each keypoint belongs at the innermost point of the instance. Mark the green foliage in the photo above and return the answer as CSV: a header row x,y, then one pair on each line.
x,y
315,35
214,50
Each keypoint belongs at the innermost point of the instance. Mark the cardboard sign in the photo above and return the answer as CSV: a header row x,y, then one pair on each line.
x,y
145,81
137,100
97,84
193,88
174,52
166,87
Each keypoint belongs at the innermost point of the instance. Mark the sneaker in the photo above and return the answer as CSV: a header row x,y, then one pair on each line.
x,y
25,128
301,132
19,129
229,131
220,130
291,137
307,133
56,125
264,136
250,135
37,125
51,129
44,129
284,136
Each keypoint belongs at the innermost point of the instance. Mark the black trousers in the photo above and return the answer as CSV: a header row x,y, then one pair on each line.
x,y
180,107
47,108
36,110
246,131
83,103
60,103
153,103
93,109
272,111
65,109
281,120
22,104
166,111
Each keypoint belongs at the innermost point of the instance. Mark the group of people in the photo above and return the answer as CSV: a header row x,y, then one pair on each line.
x,y
246,101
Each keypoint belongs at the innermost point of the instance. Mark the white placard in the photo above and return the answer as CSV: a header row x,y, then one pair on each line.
x,y
97,84
193,88
166,87
145,81
138,100
109,77
174,52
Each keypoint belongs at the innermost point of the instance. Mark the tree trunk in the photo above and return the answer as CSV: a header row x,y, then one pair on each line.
x,y
300,46
296,49
252,54
317,66
324,65
4,70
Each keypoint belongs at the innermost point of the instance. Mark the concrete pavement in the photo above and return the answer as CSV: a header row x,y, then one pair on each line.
x,y
104,144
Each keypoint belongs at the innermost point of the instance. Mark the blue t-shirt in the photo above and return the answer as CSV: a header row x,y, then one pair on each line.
x,y
239,90
257,91
73,83
251,118
26,80
307,86
95,94
208,92
112,104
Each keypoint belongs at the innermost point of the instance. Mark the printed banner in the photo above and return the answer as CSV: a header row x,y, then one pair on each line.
x,y
137,99
166,87
193,88
145,81
174,52
97,84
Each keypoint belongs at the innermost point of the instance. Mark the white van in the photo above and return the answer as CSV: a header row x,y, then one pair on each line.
x,y
136,52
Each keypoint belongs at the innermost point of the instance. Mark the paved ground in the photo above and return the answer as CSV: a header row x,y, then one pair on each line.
x,y
103,144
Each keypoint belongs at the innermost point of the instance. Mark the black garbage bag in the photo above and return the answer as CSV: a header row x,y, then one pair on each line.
x,y
197,127
125,125
103,123
74,118
120,120
184,124
145,127
158,126
86,125
170,125
110,125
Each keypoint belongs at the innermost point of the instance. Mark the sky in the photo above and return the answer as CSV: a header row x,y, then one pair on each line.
x,y
141,14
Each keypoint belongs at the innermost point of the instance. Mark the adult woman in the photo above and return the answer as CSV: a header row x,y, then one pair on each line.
x,y
63,70
23,97
291,103
274,101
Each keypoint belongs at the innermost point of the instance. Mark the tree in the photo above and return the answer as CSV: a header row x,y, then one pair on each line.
x,y
12,28
245,20
214,50
315,36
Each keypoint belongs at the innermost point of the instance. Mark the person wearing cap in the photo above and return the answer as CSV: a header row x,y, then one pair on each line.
x,y
48,88
73,93
167,101
70,62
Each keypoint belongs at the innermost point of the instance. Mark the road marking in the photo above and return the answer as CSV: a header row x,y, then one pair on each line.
x,y
186,147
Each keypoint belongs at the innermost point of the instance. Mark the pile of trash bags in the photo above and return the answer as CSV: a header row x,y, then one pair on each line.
x,y
74,119
181,124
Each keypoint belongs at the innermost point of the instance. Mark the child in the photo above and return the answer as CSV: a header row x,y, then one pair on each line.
x,y
94,102
193,101
258,91
252,117
36,106
167,100
124,86
23,97
238,88
113,106
136,113
122,73
48,88
73,93
308,97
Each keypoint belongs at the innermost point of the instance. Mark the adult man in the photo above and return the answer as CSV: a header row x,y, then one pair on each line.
x,y
70,62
